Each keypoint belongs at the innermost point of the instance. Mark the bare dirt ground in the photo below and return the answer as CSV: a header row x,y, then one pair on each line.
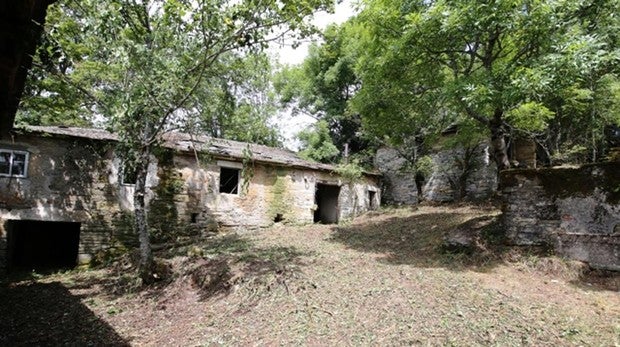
x,y
382,279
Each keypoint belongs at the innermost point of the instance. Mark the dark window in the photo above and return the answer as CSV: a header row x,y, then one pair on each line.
x,y
129,175
229,180
13,163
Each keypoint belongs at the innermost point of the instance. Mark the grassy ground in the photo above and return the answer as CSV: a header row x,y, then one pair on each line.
x,y
382,279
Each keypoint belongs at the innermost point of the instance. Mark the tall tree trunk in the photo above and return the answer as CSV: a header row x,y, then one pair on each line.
x,y
141,223
22,24
498,141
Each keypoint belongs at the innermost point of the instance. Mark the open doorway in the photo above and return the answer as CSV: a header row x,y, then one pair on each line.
x,y
372,200
326,200
42,246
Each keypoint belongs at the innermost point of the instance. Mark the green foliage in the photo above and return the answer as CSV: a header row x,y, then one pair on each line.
x,y
573,154
424,166
323,85
424,65
530,116
241,101
468,133
317,145
248,169
279,200
350,172
143,66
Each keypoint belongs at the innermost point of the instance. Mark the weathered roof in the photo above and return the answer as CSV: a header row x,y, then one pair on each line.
x,y
220,148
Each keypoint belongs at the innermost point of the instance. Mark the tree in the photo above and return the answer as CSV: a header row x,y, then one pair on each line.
x,y
317,145
21,27
238,102
144,62
323,85
432,62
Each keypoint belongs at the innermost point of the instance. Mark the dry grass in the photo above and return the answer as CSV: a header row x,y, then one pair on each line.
x,y
382,279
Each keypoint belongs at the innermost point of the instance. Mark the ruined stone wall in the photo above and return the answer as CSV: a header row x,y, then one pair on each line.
x,y
69,180
399,186
274,193
77,180
575,211
481,183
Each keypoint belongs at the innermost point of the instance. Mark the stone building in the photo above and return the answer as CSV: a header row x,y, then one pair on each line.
x,y
64,194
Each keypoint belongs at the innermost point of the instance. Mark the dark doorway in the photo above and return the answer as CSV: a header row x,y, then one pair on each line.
x,y
372,200
42,246
326,200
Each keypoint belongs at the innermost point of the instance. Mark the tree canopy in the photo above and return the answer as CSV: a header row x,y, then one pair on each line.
x,y
542,69
148,67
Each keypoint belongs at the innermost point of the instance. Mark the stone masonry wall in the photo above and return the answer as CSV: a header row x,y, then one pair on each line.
x,y
77,180
68,181
481,183
273,191
399,186
575,211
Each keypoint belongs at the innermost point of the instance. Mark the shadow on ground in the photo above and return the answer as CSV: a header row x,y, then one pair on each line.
x,y
212,266
47,314
418,240
232,262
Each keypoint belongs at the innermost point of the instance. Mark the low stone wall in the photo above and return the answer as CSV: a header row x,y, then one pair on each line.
x,y
575,211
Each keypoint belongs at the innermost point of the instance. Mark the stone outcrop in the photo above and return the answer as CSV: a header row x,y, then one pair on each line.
x,y
574,211
399,184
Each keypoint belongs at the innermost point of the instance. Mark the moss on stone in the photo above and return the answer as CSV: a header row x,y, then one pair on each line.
x,y
571,182
279,202
163,214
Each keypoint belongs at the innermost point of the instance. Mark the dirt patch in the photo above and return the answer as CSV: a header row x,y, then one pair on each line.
x,y
382,279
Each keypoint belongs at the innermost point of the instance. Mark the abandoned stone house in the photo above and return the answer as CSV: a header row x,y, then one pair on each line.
x,y
64,195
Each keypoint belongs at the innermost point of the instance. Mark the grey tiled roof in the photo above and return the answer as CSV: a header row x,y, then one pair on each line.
x,y
220,148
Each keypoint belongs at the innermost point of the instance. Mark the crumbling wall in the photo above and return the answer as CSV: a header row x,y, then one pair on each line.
x,y
68,181
574,211
74,179
399,185
274,194
481,182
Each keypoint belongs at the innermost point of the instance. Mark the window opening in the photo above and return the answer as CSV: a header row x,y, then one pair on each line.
x,y
129,175
13,163
229,180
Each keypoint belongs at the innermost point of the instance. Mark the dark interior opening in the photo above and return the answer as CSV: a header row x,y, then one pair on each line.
x,y
326,200
194,217
229,180
42,246
129,175
278,218
372,200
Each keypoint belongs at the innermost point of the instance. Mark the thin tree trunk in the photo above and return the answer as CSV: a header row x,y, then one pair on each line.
x,y
498,141
145,268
